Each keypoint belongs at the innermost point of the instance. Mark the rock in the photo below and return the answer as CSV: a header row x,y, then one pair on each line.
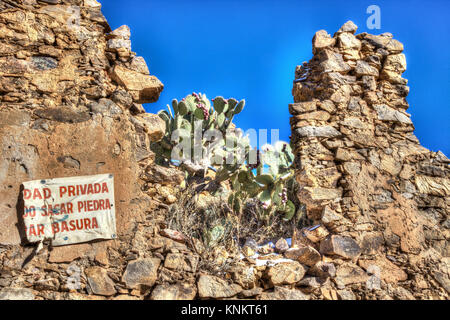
x,y
333,62
387,43
305,255
395,63
67,254
122,32
16,294
384,269
323,270
386,113
245,275
442,279
348,41
251,292
99,282
316,233
248,251
115,44
281,245
330,217
105,107
143,88
179,291
364,69
435,186
214,287
312,282
321,132
318,116
349,26
154,126
285,273
281,293
344,247
302,107
181,262
122,98
328,294
165,176
138,64
14,118
43,63
141,272
64,115
349,273
174,235
346,295
322,40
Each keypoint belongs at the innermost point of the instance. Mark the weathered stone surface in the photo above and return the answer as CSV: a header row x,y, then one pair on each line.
x,y
333,62
342,246
302,107
305,255
179,261
179,291
433,185
349,26
106,107
321,132
364,69
281,293
138,64
68,254
285,273
386,113
386,270
99,282
16,294
141,272
163,175
154,126
380,186
323,270
322,40
316,233
214,287
348,273
143,88
122,32
281,245
348,41
38,153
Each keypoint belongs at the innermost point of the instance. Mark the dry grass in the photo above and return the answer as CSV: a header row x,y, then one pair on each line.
x,y
200,223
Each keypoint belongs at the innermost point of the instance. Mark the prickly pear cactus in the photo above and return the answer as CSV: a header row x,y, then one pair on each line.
x,y
208,128
267,180
213,141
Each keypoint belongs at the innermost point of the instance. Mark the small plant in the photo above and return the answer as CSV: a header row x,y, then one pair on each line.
x,y
195,130
267,181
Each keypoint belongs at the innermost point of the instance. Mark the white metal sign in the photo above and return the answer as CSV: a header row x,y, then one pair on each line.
x,y
70,210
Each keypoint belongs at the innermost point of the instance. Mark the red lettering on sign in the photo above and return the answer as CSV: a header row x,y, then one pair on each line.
x,y
74,225
26,194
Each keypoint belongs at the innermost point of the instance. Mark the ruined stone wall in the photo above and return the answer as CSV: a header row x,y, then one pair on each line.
x,y
71,91
363,174
71,94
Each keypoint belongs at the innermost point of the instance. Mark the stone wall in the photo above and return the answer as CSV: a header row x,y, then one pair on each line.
x,y
71,94
71,91
363,174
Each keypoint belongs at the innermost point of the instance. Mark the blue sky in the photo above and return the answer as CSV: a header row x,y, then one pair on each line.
x,y
248,49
